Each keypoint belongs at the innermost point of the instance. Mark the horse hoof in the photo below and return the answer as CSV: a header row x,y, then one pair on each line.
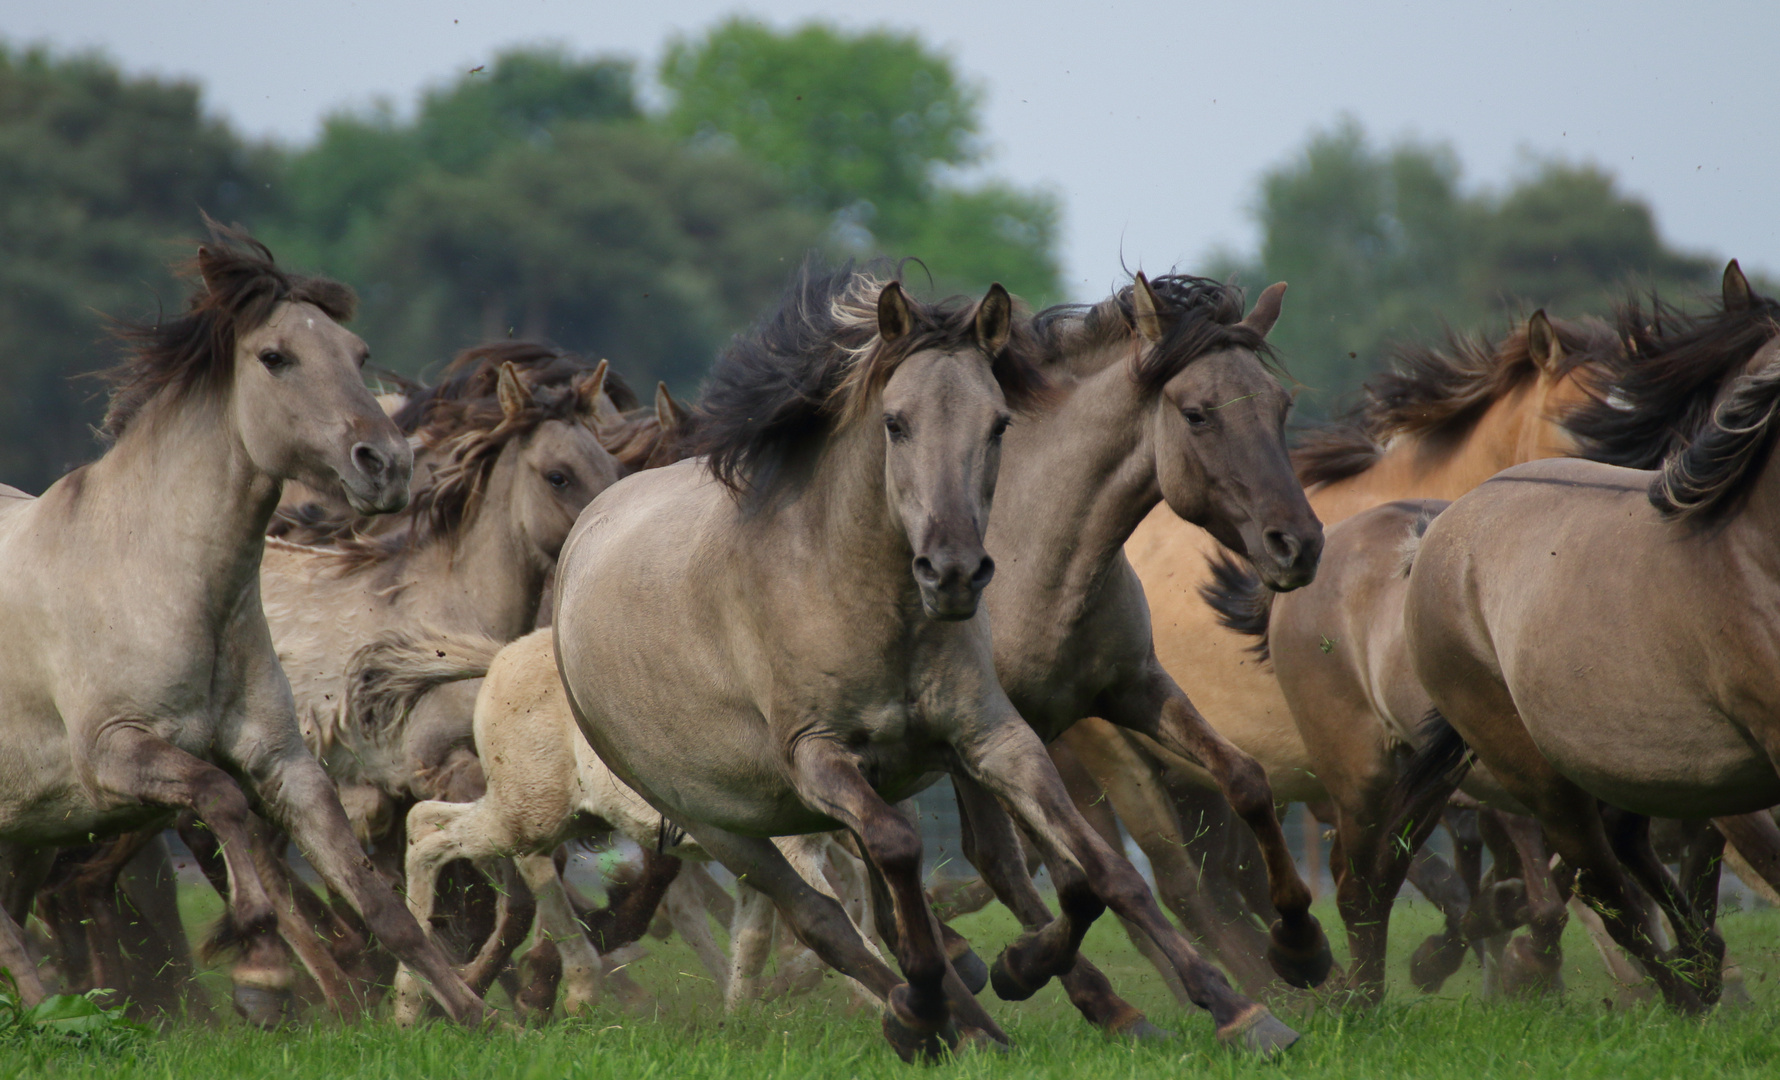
x,y
1436,960
1525,973
1304,966
1009,987
972,972
1258,1033
264,1008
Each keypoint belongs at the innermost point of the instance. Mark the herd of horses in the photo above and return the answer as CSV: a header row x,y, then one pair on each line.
x,y
433,638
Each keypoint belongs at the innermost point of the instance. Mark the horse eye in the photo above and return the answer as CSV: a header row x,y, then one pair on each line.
x,y
1195,417
557,478
274,360
1000,429
894,426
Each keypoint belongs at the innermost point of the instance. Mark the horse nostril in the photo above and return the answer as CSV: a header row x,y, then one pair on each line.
x,y
1282,547
924,571
985,571
369,460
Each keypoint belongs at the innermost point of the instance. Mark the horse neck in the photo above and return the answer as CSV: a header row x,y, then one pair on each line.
x,y
1512,431
490,574
1075,483
1755,527
183,495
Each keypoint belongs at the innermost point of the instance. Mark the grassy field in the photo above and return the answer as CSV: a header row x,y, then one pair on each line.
x,y
1589,1032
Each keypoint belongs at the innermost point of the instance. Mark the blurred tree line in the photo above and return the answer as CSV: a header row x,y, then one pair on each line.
x,y
531,197
536,197
1381,244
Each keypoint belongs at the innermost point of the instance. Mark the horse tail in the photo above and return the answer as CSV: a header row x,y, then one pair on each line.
x,y
387,678
1242,603
1443,758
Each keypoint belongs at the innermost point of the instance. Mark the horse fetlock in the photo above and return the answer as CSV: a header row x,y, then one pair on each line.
x,y
912,1037
1298,951
1016,974
1132,1025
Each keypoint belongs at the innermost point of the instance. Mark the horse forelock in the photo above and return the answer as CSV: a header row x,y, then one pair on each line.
x,y
240,287
1199,315
817,363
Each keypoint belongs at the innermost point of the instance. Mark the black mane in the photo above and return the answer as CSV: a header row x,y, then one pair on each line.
x,y
1199,316
776,391
1660,392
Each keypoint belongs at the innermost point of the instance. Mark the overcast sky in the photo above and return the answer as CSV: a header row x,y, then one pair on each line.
x,y
1152,119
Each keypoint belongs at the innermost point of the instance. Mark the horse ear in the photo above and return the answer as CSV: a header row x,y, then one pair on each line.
x,y
1542,343
1145,309
895,320
590,395
995,320
1266,310
669,414
513,395
1736,288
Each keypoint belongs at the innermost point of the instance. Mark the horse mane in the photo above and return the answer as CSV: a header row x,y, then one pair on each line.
x,y
638,442
1681,402
475,372
1199,315
1660,395
1438,392
240,287
776,391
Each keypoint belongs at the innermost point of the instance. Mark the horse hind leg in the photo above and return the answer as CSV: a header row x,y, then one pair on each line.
x,y
1298,949
581,976
1699,953
21,871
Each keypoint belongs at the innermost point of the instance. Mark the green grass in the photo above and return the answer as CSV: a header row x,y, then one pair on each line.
x,y
686,1034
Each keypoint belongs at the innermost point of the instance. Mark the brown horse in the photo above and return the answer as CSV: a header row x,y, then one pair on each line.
x,y
1163,396
140,675
1439,422
1600,634
1338,652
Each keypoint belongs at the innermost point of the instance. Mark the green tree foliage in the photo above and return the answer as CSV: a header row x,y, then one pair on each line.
x,y
1381,244
531,199
101,179
865,128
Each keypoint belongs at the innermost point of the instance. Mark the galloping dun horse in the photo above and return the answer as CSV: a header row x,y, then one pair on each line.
x,y
1599,634
1162,395
139,676
800,645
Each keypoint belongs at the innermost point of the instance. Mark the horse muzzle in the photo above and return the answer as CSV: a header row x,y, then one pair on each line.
x,y
952,582
376,479
1287,558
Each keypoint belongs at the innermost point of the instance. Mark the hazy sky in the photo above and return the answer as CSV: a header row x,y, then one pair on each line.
x,y
1153,120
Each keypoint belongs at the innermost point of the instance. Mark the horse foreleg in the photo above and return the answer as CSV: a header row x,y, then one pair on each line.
x,y
1010,763
1114,776
1699,947
1298,951
693,924
828,781
1050,946
21,872
303,800
1438,957
556,923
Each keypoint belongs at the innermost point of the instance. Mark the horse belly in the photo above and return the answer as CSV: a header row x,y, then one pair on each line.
x,y
1681,762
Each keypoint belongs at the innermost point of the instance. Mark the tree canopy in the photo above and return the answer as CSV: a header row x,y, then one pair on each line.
x,y
866,129
1381,244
